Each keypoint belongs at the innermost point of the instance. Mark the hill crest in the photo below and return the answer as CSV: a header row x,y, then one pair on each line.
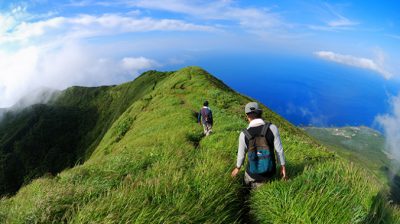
x,y
144,159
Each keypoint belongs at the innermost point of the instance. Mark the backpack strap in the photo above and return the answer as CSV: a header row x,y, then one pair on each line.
x,y
204,113
265,129
247,134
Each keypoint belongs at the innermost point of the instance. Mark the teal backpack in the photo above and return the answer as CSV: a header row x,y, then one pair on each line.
x,y
260,157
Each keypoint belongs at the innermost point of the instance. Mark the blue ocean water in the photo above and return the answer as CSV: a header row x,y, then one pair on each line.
x,y
307,90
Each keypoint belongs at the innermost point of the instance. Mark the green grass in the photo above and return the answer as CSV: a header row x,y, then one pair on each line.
x,y
361,145
152,165
50,138
331,192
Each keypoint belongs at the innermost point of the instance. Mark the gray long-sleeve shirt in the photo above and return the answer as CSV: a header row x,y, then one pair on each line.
x,y
242,149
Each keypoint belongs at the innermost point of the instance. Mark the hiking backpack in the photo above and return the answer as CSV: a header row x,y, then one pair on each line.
x,y
206,114
261,158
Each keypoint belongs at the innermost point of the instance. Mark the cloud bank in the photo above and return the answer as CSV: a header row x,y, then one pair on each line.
x,y
391,127
365,63
56,52
74,63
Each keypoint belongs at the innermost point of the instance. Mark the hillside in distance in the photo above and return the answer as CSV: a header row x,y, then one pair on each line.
x,y
47,138
364,146
138,156
359,144
2,111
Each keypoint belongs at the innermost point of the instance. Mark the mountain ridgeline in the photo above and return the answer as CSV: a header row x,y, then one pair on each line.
x,y
47,138
133,153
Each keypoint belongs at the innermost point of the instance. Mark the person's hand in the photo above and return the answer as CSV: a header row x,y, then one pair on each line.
x,y
283,172
235,172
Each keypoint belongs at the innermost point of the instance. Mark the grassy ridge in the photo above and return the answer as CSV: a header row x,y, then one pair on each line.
x,y
48,138
153,166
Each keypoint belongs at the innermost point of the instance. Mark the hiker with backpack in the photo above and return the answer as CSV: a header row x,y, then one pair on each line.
x,y
205,118
260,141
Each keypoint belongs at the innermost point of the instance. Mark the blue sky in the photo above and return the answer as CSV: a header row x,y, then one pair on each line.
x,y
83,42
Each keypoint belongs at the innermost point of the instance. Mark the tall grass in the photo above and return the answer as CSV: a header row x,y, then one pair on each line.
x,y
154,166
331,192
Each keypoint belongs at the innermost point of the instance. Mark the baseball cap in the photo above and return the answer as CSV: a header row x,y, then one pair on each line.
x,y
252,107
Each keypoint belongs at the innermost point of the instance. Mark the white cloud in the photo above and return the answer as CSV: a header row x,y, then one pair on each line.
x,y
311,113
342,22
135,64
44,51
332,20
84,26
83,3
393,36
6,22
60,67
339,20
17,15
366,63
391,127
250,18
19,9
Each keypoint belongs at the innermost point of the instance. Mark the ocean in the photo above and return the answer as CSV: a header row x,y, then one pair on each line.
x,y
307,91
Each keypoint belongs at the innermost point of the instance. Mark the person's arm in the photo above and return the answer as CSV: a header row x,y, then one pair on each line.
x,y
240,155
279,150
199,118
211,117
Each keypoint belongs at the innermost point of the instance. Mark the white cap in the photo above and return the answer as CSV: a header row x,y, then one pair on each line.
x,y
252,107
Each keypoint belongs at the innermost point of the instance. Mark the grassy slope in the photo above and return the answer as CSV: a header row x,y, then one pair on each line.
x,y
365,147
153,166
359,144
49,138
108,102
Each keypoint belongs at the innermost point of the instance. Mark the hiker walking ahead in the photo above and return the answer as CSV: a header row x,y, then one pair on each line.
x,y
259,141
205,118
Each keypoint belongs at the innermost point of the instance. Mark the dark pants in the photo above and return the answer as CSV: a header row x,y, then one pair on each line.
x,y
252,182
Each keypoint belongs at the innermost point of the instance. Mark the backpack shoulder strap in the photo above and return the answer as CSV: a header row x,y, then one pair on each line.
x,y
204,113
265,129
247,134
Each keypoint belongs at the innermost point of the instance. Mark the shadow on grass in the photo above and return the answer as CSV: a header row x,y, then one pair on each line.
x,y
195,114
394,195
42,139
379,211
246,216
293,170
244,196
195,138
394,185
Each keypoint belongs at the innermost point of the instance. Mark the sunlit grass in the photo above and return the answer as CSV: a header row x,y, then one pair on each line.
x,y
154,166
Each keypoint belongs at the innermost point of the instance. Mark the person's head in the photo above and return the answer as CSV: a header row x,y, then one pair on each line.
x,y
252,111
205,103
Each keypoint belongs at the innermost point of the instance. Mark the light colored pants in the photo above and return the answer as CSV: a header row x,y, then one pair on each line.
x,y
207,128
251,182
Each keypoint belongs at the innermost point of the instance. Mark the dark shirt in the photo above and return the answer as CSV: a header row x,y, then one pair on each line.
x,y
205,115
